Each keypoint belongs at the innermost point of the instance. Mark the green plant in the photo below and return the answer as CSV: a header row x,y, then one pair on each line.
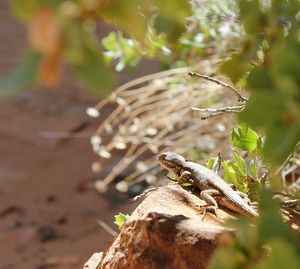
x,y
120,219
71,30
270,243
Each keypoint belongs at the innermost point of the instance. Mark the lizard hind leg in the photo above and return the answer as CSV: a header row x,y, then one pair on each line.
x,y
212,205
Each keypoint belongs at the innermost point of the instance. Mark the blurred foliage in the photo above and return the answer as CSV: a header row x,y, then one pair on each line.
x,y
65,32
268,64
125,50
176,33
211,28
268,244
25,74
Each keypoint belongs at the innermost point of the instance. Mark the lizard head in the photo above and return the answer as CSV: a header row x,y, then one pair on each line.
x,y
172,162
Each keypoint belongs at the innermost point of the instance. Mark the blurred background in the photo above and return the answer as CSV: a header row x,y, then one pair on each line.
x,y
91,91
49,209
48,214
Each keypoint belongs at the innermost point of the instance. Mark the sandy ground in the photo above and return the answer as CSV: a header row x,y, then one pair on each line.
x,y
48,212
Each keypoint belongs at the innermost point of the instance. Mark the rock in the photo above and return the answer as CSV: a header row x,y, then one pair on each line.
x,y
167,230
93,262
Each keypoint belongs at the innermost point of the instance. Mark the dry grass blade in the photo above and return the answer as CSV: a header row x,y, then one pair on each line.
x,y
153,113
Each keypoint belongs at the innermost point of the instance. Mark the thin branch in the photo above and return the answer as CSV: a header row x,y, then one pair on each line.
x,y
212,115
219,82
219,111
222,109
220,159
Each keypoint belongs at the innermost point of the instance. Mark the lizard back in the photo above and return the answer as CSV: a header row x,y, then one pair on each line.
x,y
205,178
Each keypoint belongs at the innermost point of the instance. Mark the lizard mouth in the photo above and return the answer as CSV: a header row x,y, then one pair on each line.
x,y
161,157
165,159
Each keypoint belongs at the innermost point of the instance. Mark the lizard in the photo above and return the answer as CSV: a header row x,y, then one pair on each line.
x,y
213,189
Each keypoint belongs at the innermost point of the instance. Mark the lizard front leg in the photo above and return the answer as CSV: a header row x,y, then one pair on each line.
x,y
184,177
207,196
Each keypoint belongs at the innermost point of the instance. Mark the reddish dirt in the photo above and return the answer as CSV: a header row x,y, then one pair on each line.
x,y
47,212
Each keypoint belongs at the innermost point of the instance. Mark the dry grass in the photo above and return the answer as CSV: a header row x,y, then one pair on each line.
x,y
154,113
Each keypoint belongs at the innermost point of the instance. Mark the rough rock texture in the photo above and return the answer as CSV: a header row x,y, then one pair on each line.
x,y
93,262
167,230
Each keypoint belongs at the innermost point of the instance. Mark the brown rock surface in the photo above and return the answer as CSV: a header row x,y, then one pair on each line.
x,y
167,230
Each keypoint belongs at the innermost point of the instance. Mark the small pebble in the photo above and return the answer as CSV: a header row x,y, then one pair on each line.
x,y
47,233
15,224
51,198
62,220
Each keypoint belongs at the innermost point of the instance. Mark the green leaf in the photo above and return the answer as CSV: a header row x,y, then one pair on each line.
x,y
229,172
25,73
244,138
232,174
213,164
186,184
240,163
174,178
125,50
120,219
